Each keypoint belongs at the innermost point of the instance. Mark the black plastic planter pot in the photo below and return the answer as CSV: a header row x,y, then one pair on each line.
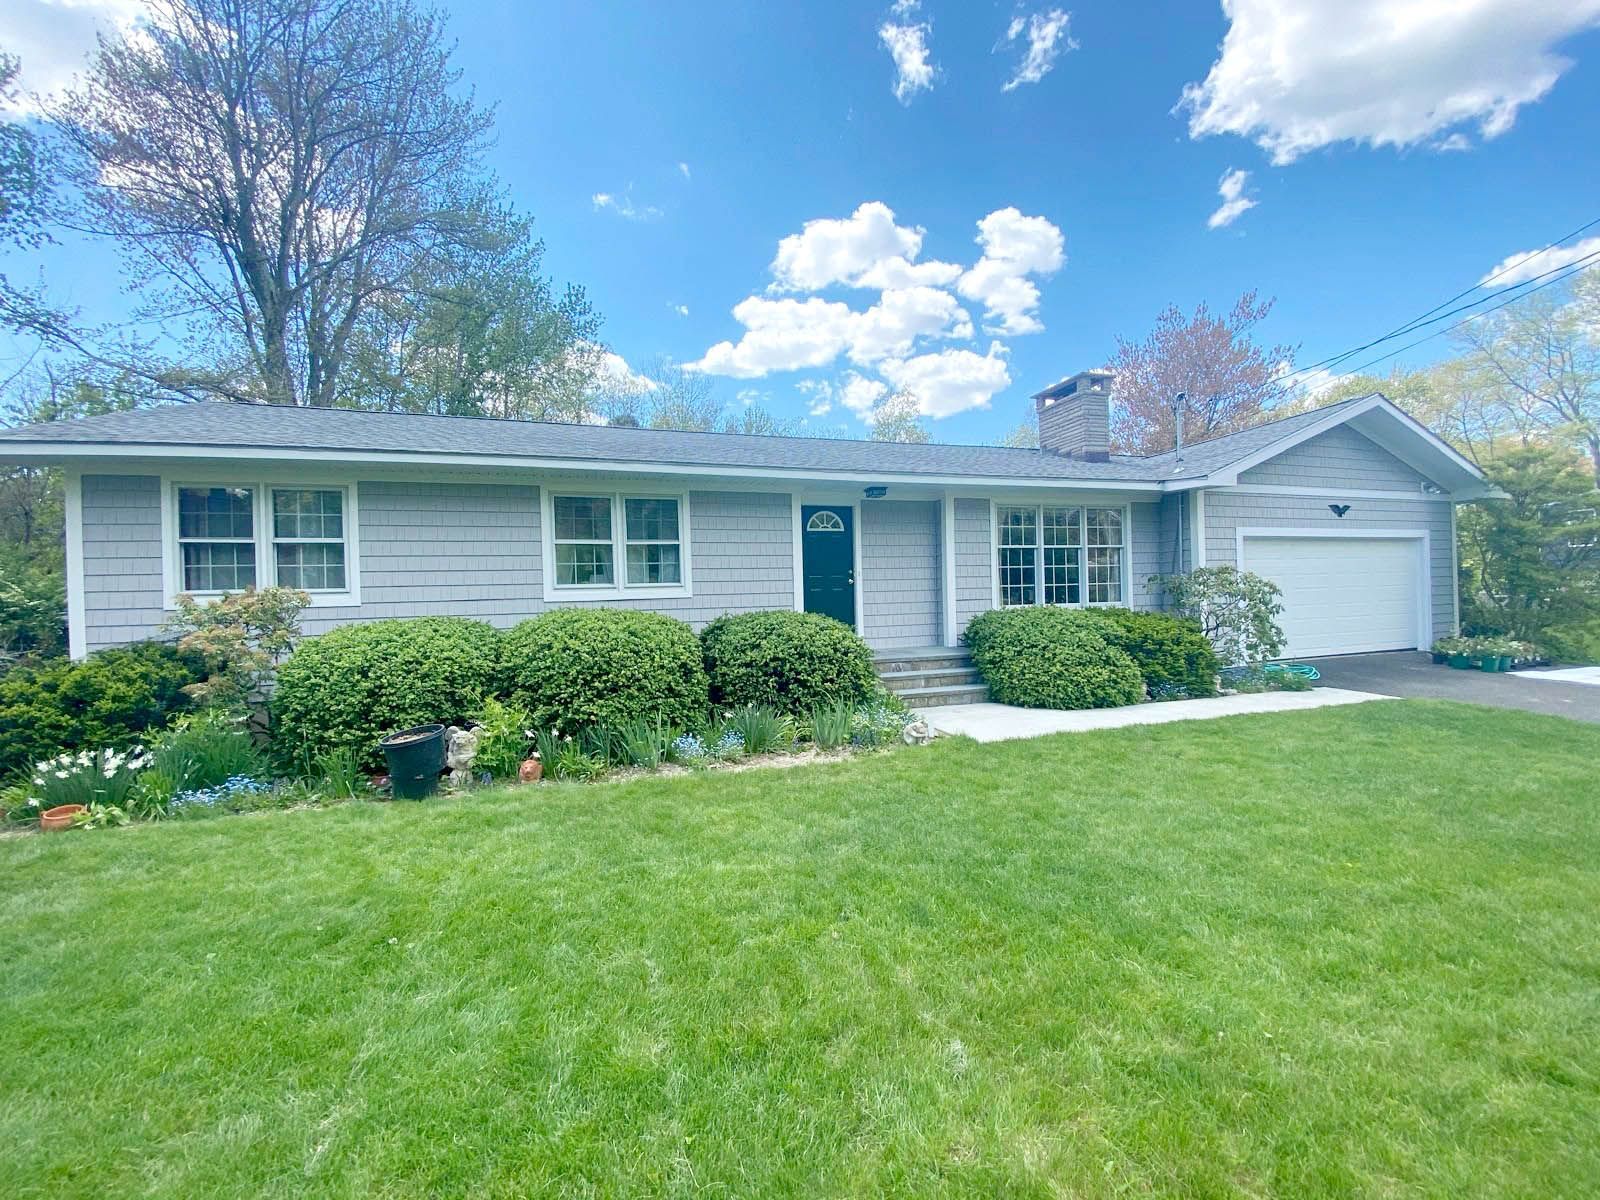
x,y
415,757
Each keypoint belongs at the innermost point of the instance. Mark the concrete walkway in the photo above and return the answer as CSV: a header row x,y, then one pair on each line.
x,y
1002,722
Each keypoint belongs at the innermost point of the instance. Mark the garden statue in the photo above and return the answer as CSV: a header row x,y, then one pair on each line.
x,y
460,749
917,733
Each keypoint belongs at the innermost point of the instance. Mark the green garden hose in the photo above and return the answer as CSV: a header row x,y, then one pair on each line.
x,y
1304,670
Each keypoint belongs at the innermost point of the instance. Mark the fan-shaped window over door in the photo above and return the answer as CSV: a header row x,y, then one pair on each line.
x,y
825,521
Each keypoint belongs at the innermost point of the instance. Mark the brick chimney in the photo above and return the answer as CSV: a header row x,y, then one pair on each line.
x,y
1075,416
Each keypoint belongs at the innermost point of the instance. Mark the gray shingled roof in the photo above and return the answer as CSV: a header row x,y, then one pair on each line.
x,y
244,426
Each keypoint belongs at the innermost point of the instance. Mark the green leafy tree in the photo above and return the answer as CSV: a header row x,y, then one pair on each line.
x,y
1531,562
1542,354
479,330
898,418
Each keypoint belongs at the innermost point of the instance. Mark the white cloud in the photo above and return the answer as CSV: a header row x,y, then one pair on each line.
x,y
53,40
1297,75
1455,142
859,394
1234,202
950,381
681,309
907,44
1048,37
897,272
1014,247
1537,263
866,249
683,169
615,375
818,394
624,207
790,335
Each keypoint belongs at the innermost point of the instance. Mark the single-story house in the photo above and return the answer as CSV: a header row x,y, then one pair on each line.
x,y
1349,508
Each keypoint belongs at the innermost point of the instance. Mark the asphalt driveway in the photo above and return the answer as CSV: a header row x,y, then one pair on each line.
x,y
1409,674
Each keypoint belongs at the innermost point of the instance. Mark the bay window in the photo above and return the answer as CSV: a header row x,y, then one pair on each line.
x,y
1058,554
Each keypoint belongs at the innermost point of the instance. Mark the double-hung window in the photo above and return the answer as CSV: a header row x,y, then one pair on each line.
x,y
616,542
229,537
1055,554
216,539
308,538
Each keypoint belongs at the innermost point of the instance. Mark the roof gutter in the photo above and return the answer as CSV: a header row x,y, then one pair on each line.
x,y
89,452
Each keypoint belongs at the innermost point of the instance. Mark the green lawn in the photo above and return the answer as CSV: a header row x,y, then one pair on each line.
x,y
1346,952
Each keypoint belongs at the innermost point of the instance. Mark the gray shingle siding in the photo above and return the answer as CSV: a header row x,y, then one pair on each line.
x,y
974,561
123,590
1226,511
901,573
437,549
743,558
1340,458
1144,548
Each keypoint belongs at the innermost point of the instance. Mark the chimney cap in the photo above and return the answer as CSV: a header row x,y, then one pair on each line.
x,y
1095,378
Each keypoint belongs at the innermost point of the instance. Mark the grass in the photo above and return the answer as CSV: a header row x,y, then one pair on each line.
x,y
1347,952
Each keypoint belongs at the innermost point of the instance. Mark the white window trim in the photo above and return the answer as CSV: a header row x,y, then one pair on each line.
x,y
621,589
266,559
1038,566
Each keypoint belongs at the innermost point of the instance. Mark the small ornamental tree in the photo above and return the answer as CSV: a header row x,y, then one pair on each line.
x,y
243,636
1236,610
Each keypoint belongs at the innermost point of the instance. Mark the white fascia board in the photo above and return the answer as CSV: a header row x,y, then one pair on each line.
x,y
86,453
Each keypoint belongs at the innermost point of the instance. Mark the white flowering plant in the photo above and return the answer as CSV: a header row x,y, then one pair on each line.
x,y
93,778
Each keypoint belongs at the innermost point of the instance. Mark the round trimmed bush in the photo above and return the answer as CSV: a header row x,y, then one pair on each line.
x,y
347,688
1046,658
579,667
1172,654
108,701
791,661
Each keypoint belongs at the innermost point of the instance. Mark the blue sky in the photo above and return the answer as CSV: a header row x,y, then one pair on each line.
x,y
1394,152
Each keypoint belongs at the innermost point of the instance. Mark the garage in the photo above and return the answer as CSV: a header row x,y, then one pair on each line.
x,y
1343,595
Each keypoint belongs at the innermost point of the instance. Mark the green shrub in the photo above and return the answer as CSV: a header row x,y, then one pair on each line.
x,y
504,737
1050,658
791,661
1172,654
351,686
1236,610
576,668
107,701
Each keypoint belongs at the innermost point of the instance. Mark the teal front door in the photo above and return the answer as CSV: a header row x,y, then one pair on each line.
x,y
828,559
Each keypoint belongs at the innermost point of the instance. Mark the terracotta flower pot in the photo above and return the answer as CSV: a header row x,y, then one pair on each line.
x,y
530,770
59,817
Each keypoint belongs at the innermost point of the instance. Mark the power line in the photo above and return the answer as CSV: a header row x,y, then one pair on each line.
x,y
1571,269
1420,321
1412,327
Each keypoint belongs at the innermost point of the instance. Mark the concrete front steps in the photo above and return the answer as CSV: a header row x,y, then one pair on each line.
x,y
931,678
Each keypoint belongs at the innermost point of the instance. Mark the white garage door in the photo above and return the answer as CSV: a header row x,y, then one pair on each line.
x,y
1342,595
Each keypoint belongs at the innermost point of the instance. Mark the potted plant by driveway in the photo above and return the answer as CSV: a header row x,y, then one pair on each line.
x,y
416,759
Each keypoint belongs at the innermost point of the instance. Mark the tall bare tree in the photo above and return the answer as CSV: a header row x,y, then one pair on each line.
x,y
24,193
1226,377
274,169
